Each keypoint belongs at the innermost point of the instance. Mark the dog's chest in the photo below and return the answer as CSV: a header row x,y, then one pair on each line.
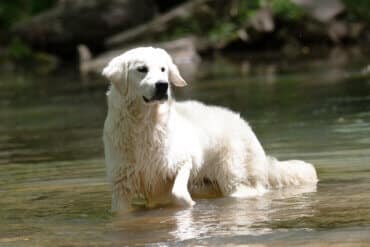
x,y
145,167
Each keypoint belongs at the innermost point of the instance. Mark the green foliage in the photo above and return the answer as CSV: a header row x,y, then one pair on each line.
x,y
245,9
18,50
286,9
223,30
231,16
358,10
183,27
12,11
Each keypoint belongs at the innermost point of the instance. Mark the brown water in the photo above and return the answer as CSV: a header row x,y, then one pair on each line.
x,y
52,180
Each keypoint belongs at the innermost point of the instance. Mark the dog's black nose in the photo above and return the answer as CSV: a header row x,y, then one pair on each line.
x,y
161,88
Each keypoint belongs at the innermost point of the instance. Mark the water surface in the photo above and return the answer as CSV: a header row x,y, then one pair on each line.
x,y
52,180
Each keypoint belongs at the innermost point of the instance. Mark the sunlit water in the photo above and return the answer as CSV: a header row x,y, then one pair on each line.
x,y
52,180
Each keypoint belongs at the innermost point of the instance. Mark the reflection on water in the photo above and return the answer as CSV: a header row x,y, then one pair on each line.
x,y
52,178
216,218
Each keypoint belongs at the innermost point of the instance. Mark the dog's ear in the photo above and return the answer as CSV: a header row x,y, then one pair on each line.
x,y
175,77
173,72
116,70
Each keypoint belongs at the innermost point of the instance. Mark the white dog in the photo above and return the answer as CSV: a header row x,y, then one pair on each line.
x,y
160,151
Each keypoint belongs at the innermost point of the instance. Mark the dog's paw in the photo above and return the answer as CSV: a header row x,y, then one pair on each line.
x,y
182,198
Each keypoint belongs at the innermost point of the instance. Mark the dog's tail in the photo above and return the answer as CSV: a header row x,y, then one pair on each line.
x,y
290,172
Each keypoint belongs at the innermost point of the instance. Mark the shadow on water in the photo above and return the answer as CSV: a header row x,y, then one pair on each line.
x,y
316,108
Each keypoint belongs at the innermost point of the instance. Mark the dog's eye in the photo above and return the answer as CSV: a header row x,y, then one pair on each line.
x,y
162,69
142,69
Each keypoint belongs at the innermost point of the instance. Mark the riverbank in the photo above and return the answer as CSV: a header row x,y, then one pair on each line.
x,y
188,29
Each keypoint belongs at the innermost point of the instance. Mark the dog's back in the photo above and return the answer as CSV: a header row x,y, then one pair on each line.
x,y
156,146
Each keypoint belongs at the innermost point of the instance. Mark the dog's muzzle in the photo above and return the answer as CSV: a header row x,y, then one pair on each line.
x,y
160,92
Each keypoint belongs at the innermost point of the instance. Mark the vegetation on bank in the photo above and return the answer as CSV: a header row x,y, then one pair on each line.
x,y
18,10
358,10
221,21
238,24
13,48
274,23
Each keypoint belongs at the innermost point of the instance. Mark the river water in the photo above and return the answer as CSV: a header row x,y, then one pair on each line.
x,y
53,190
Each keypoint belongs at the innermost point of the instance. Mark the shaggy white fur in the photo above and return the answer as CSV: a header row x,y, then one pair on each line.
x,y
161,151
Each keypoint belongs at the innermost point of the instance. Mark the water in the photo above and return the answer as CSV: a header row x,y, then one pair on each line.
x,y
52,180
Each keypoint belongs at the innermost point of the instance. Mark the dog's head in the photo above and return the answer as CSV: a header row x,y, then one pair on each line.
x,y
144,73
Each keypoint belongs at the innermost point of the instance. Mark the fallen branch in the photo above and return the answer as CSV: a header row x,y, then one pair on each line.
x,y
156,25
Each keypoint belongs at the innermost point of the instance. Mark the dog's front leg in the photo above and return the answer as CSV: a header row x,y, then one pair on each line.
x,y
180,192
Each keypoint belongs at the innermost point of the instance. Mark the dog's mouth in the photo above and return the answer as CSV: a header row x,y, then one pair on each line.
x,y
156,98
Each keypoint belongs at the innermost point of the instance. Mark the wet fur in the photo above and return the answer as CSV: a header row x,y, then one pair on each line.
x,y
167,152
